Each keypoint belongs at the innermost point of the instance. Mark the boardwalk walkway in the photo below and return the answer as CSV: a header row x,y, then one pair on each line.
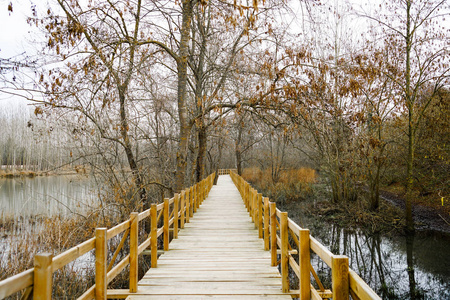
x,y
218,255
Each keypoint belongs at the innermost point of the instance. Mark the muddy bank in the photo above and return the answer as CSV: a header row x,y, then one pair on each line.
x,y
425,218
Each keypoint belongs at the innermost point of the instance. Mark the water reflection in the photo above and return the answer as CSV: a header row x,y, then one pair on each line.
x,y
398,267
52,195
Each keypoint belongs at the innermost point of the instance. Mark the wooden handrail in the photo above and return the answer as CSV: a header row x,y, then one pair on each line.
x,y
39,278
277,228
225,171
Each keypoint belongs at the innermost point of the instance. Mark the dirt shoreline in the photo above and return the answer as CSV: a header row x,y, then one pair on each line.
x,y
425,218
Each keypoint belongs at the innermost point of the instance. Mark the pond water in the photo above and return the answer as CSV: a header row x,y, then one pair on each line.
x,y
46,195
396,267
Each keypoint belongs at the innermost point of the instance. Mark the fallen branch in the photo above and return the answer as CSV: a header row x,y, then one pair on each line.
x,y
444,219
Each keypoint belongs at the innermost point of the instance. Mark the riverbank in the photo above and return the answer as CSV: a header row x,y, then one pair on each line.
x,y
303,190
390,217
395,264
426,217
32,174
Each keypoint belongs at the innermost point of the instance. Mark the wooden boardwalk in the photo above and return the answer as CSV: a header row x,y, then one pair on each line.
x,y
217,255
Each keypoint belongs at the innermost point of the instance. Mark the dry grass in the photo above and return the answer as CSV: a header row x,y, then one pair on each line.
x,y
292,185
22,238
17,173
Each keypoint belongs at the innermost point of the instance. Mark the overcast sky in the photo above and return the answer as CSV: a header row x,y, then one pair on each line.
x,y
14,28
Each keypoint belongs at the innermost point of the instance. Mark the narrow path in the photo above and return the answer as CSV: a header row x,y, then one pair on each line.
x,y
218,255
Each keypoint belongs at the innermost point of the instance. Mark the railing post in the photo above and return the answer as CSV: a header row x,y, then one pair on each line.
x,y
101,265
199,195
249,198
194,198
255,208
260,215
241,186
176,198
247,195
205,186
188,204
252,204
43,276
183,208
284,236
153,236
340,277
266,224
273,233
166,224
134,243
304,261
191,201
202,191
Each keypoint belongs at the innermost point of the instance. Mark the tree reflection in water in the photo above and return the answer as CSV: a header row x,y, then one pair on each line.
x,y
396,267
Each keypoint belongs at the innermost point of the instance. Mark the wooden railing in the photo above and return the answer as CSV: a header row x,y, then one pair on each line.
x,y
225,171
278,230
37,282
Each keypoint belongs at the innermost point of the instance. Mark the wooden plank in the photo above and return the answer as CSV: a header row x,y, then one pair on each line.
x,y
284,233
339,274
153,235
70,255
134,251
177,280
16,283
176,215
118,229
202,297
43,275
218,253
144,214
304,263
182,209
273,233
360,288
101,253
193,290
117,269
166,224
321,251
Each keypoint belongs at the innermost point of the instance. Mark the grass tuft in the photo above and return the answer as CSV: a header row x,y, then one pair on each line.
x,y
290,185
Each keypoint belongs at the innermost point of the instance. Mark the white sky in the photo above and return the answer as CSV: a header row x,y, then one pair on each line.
x,y
15,35
14,28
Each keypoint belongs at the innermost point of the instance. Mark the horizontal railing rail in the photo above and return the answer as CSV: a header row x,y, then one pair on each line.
x,y
225,171
278,230
36,283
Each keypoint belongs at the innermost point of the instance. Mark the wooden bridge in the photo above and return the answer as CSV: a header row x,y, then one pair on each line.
x,y
228,242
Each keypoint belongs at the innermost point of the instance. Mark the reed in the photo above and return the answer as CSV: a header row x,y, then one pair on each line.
x,y
289,185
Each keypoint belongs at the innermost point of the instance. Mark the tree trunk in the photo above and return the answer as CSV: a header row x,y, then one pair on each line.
x,y
375,191
129,152
182,95
410,105
238,160
220,146
202,139
238,149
